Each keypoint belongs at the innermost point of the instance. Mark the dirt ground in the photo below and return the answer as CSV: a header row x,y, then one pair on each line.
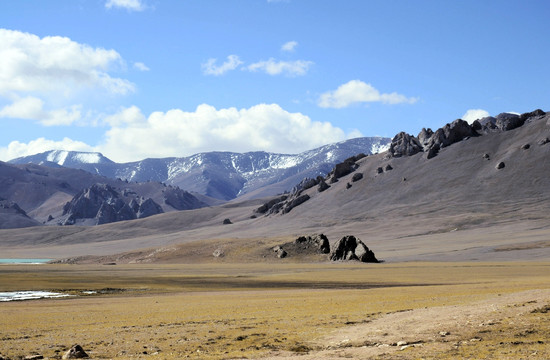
x,y
281,311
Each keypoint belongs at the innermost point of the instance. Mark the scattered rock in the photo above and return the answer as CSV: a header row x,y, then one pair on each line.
x,y
348,186
500,165
281,253
227,222
322,186
402,343
525,147
295,202
388,167
444,333
351,248
379,170
33,357
486,156
544,141
344,168
356,177
76,352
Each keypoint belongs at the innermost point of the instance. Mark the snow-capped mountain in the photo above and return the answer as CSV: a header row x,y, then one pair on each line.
x,y
221,175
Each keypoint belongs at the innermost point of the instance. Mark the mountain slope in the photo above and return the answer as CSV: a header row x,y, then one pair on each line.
x,y
221,175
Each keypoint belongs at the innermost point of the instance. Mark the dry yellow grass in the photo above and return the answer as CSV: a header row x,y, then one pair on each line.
x,y
225,311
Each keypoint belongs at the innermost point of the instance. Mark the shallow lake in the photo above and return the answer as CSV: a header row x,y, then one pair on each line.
x,y
24,261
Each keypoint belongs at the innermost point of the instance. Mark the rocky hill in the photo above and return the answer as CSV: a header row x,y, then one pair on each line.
x,y
32,195
220,175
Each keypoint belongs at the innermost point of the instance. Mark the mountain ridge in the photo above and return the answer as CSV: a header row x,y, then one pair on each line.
x,y
221,175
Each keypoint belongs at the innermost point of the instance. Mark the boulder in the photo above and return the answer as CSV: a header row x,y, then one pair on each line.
x,y
295,202
322,186
227,222
76,352
351,248
507,121
356,177
388,167
525,147
500,165
281,253
319,241
544,141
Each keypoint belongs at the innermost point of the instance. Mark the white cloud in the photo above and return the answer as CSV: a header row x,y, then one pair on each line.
x,y
289,68
473,114
130,5
356,91
31,108
17,149
210,67
125,116
56,66
141,66
180,133
289,46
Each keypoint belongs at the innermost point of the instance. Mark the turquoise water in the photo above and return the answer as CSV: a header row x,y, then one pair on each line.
x,y
24,261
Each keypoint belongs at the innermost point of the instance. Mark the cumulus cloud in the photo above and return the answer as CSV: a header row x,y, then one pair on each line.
x,y
17,149
181,133
55,64
274,67
211,68
130,5
141,66
289,46
356,91
32,108
473,114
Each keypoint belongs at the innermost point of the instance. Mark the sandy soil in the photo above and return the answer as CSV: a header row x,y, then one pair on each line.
x,y
427,332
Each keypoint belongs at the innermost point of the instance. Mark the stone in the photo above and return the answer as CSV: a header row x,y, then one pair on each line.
x,y
227,222
322,186
295,202
402,343
348,186
76,352
507,121
544,141
388,167
356,177
351,248
218,253
500,165
486,156
525,147
379,170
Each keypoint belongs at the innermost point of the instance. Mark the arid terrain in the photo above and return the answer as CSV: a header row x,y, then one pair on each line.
x,y
465,244
288,311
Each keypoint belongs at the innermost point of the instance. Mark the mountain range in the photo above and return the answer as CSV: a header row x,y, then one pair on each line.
x,y
464,192
219,175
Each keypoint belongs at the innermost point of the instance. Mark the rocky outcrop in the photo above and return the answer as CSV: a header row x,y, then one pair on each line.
x,y
351,248
404,144
104,204
180,199
451,133
318,241
76,352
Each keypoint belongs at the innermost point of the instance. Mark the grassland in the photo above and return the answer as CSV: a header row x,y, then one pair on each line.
x,y
322,310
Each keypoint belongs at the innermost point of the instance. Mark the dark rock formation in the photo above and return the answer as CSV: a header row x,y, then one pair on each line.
x,y
105,204
227,222
486,156
348,186
404,144
180,199
379,170
144,208
318,241
356,177
345,168
295,202
500,165
507,121
388,168
544,141
445,136
76,352
351,248
269,205
525,147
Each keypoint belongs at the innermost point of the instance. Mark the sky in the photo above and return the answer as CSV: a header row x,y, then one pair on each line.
x,y
137,79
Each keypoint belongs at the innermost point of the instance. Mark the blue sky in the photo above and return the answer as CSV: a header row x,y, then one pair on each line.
x,y
150,78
